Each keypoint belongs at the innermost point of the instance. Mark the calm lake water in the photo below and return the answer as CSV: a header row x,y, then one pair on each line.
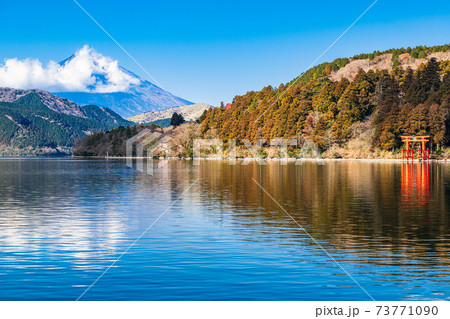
x,y
63,222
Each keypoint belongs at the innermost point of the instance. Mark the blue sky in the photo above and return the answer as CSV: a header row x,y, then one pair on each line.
x,y
209,51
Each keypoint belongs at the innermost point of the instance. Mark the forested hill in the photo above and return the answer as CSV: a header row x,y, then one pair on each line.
x,y
112,142
375,107
377,60
28,126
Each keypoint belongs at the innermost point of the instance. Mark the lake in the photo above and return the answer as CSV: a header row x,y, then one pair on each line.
x,y
222,232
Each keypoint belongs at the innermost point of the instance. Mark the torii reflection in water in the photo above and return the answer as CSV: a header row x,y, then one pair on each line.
x,y
415,183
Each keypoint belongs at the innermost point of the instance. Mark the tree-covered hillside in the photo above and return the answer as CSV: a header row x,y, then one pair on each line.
x,y
332,113
105,116
28,126
112,143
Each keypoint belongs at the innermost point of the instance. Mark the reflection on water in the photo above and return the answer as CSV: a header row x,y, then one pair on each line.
x,y
415,183
62,222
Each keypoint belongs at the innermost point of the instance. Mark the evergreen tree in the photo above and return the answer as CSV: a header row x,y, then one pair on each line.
x,y
431,79
177,119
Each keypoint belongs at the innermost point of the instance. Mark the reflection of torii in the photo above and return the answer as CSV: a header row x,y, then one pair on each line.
x,y
415,184
424,153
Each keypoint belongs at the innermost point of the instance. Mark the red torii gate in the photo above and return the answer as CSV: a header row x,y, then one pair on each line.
x,y
408,153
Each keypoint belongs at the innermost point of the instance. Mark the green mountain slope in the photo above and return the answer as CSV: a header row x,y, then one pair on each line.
x,y
105,116
27,126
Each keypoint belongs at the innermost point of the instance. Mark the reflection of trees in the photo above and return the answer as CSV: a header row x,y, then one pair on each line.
x,y
352,205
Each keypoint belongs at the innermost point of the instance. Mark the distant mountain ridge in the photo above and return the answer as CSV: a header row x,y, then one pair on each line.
x,y
189,112
53,102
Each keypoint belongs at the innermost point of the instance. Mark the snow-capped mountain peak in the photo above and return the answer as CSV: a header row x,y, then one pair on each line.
x,y
95,73
105,83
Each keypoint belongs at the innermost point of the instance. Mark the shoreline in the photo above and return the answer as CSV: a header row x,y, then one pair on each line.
x,y
239,159
289,160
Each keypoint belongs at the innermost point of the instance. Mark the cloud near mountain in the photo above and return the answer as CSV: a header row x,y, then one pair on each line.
x,y
85,71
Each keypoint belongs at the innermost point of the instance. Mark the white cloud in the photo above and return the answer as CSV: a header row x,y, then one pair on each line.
x,y
86,71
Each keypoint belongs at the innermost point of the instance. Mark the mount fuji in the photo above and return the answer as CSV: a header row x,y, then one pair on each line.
x,y
106,84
